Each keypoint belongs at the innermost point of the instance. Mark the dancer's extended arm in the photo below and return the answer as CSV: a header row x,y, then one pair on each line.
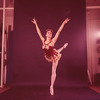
x,y
38,30
60,29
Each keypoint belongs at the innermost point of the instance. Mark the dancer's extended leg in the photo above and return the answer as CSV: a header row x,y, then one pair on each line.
x,y
64,46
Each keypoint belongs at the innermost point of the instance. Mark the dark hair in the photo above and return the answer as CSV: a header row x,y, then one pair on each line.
x,y
49,30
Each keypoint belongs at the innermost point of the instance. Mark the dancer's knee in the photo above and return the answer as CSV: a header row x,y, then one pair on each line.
x,y
54,73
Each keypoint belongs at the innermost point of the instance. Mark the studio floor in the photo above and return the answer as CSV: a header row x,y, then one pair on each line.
x,y
42,93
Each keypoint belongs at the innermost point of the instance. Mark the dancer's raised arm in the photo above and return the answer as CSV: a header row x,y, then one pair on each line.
x,y
59,30
38,30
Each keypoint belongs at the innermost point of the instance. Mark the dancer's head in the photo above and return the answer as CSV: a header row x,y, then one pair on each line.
x,y
49,33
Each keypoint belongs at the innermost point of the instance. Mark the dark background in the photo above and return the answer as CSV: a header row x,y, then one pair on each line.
x,y
28,64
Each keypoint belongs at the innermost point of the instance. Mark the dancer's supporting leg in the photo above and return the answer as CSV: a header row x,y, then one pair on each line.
x,y
54,67
53,76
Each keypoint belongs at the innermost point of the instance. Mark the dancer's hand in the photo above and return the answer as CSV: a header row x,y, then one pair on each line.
x,y
66,20
34,21
65,45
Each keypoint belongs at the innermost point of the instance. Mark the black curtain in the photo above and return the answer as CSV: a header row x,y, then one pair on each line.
x,y
29,66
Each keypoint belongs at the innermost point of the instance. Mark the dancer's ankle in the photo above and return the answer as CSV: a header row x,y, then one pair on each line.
x,y
51,86
51,90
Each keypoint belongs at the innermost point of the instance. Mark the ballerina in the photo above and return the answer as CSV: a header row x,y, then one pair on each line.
x,y
51,54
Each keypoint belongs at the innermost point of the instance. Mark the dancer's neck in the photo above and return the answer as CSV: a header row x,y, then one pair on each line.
x,y
48,39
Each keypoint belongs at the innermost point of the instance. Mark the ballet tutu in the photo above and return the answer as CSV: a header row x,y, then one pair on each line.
x,y
51,54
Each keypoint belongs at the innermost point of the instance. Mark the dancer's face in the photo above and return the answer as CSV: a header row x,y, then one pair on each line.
x,y
48,34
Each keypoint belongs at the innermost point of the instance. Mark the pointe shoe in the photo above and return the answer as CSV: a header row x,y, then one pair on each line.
x,y
65,45
51,91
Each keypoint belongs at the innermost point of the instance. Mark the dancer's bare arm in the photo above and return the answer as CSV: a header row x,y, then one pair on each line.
x,y
38,30
60,29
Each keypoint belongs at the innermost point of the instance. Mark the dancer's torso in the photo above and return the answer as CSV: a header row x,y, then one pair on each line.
x,y
51,54
47,45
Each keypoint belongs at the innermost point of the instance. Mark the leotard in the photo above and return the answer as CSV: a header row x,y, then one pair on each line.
x,y
50,54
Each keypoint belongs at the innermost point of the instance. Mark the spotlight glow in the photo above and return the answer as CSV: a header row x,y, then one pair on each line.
x,y
99,34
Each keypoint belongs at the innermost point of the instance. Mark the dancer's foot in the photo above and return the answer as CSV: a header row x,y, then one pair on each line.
x,y
65,45
51,90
